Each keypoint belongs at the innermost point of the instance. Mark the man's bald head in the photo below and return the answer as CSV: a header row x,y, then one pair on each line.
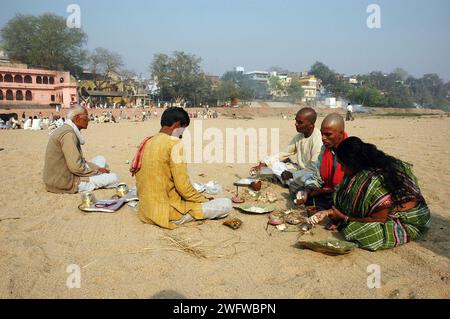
x,y
335,121
309,113
333,130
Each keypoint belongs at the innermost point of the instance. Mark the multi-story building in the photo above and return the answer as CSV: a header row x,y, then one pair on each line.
x,y
311,87
24,86
21,86
262,76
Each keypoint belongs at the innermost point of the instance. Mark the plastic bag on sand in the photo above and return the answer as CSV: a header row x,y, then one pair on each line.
x,y
213,188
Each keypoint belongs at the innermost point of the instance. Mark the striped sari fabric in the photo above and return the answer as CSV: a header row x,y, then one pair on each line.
x,y
361,195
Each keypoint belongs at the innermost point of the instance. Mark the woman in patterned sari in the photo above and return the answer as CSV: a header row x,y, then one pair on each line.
x,y
378,204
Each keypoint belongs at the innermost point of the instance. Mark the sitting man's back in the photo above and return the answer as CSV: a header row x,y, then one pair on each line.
x,y
65,169
166,196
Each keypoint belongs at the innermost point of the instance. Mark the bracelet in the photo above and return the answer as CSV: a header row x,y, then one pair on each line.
x,y
346,219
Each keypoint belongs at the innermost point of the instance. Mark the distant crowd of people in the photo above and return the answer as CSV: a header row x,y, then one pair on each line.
x,y
36,122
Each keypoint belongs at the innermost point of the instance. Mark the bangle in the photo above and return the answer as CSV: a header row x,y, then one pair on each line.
x,y
346,219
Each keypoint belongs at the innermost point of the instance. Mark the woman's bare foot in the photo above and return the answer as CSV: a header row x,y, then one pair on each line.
x,y
331,226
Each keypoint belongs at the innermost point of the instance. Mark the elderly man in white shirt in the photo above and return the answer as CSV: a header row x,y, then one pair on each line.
x,y
306,145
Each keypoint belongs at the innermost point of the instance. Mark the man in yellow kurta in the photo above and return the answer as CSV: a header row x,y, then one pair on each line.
x,y
166,195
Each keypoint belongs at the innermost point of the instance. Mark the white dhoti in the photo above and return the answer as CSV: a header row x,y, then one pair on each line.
x,y
278,168
109,180
216,208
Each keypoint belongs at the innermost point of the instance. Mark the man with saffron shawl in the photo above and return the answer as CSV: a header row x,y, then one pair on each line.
x,y
378,204
320,185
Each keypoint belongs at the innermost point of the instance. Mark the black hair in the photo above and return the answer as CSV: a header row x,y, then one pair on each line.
x,y
310,114
357,156
173,115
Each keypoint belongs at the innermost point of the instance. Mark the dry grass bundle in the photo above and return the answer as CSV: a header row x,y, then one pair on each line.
x,y
184,245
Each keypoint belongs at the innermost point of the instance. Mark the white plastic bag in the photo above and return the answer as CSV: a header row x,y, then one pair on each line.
x,y
213,188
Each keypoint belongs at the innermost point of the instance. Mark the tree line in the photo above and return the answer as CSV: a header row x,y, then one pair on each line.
x,y
395,89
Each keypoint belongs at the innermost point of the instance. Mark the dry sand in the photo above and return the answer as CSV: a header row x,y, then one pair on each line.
x,y
42,233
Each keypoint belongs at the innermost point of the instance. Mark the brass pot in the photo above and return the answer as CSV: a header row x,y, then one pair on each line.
x,y
122,190
87,199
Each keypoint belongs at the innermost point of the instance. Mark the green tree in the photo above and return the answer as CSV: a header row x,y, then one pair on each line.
x,y
324,73
275,85
44,41
330,80
180,77
228,90
295,91
243,87
367,96
105,64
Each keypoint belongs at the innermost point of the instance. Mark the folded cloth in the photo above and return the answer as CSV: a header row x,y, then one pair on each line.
x,y
137,160
111,205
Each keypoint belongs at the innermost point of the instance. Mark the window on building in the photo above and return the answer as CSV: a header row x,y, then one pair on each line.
x,y
28,79
8,78
38,79
73,98
19,95
51,80
52,98
45,80
28,95
9,95
61,80
18,79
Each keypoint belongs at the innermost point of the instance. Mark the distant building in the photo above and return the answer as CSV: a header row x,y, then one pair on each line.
x,y
352,80
239,69
22,86
261,76
285,81
311,87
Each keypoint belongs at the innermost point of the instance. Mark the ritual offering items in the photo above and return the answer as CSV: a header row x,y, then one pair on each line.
x,y
276,219
87,199
271,196
233,223
293,220
301,198
237,200
90,204
329,246
256,209
244,182
121,190
256,186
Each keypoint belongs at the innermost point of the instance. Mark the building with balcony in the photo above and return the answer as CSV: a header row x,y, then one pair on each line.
x,y
311,87
21,86
261,76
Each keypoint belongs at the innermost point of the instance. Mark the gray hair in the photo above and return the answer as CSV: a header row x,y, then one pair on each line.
x,y
76,110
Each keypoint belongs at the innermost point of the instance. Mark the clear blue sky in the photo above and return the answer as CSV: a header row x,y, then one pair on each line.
x,y
258,34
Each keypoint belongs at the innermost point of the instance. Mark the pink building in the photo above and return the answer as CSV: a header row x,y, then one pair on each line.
x,y
20,86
